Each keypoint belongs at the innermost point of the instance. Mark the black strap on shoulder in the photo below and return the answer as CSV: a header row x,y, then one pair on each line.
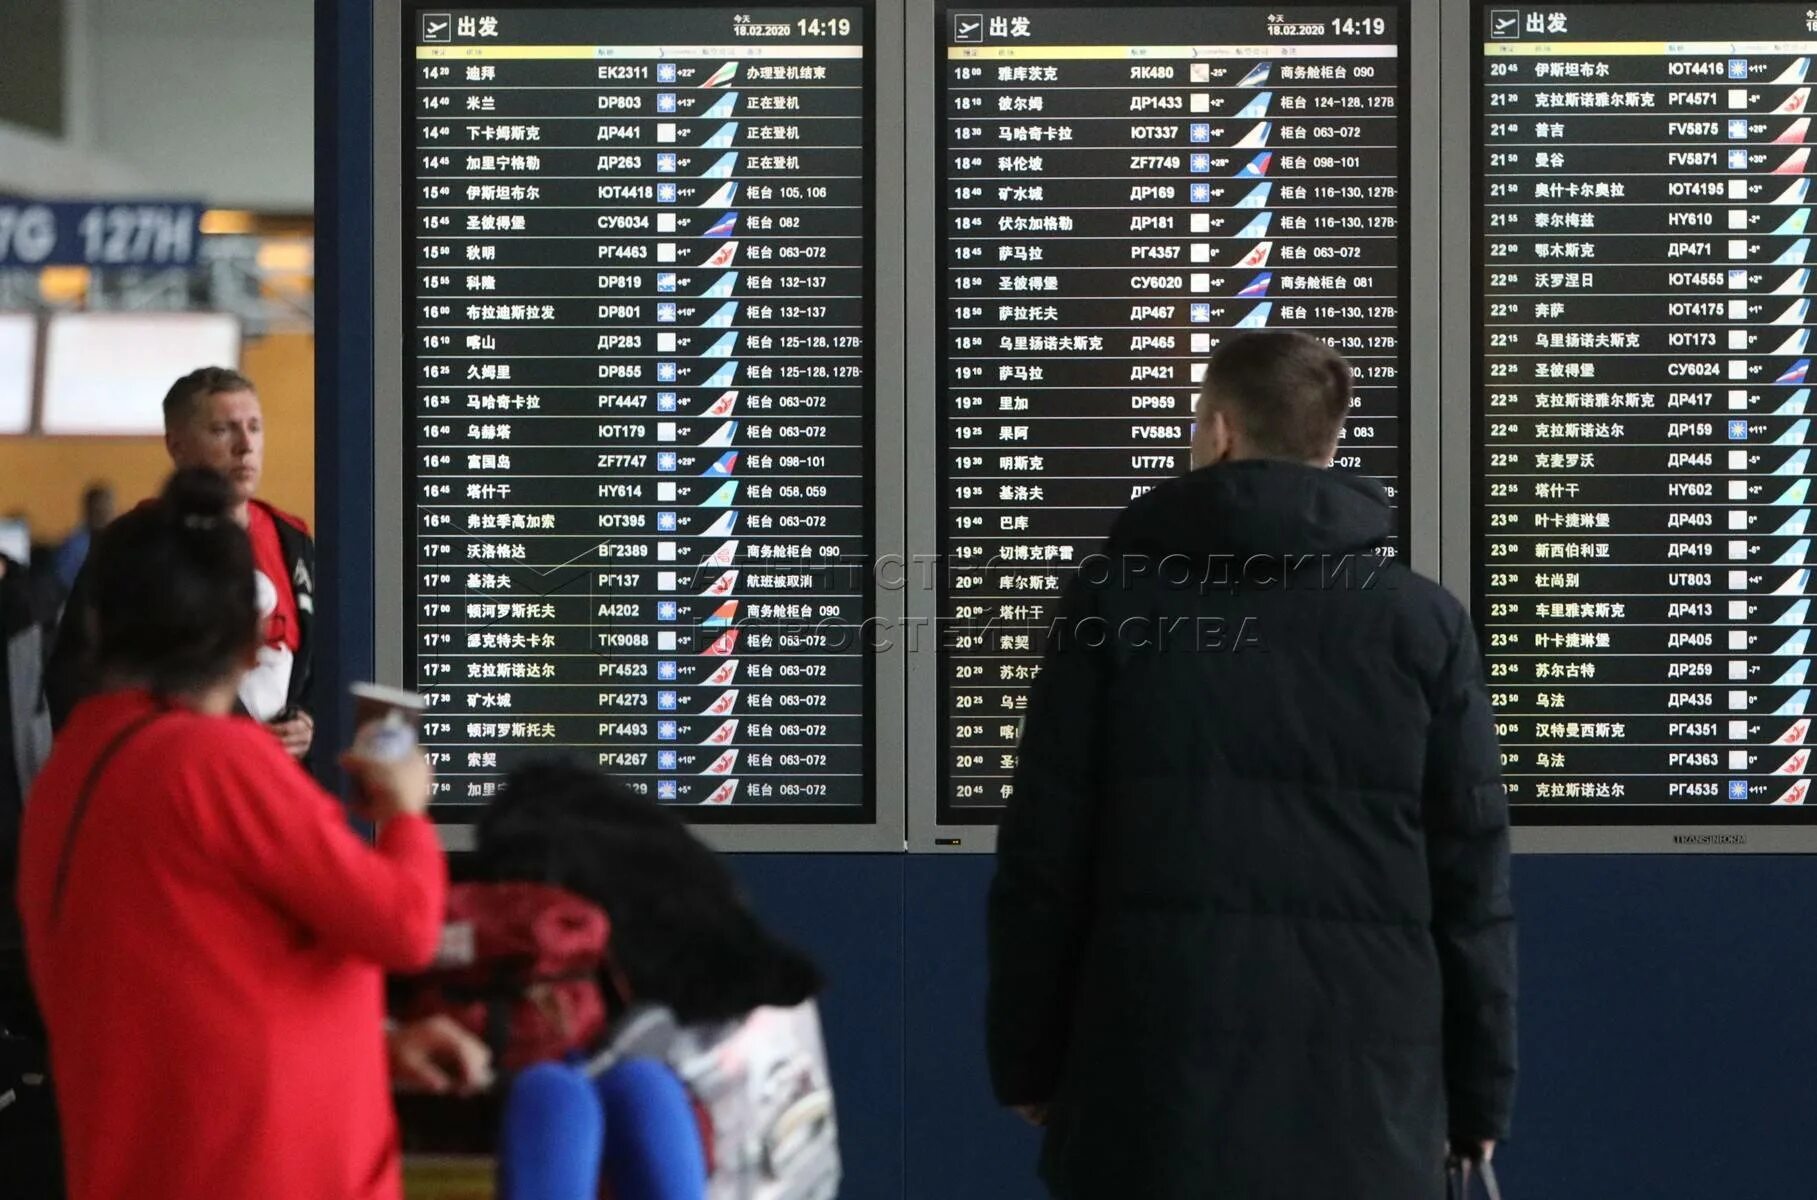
x,y
82,801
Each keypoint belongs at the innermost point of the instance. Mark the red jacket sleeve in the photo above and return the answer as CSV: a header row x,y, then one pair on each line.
x,y
290,841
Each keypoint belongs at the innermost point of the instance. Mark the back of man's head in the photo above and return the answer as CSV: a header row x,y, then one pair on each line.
x,y
180,401
1284,394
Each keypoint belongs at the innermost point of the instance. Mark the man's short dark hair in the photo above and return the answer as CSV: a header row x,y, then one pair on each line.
x,y
180,400
1288,393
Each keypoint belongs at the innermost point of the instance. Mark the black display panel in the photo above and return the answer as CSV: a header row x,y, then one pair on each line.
x,y
1641,559
1119,187
639,378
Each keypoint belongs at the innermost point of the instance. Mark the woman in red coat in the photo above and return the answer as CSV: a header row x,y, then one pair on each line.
x,y
206,936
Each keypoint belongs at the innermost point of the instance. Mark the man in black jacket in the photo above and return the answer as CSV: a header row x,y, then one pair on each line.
x,y
212,418
1250,932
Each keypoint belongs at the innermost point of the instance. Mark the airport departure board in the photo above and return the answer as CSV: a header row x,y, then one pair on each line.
x,y
1643,548
640,400
1119,187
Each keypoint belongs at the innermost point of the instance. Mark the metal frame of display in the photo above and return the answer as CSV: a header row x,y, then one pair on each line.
x,y
1421,429
888,768
1533,834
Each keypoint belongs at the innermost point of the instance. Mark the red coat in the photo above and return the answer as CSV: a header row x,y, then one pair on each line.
x,y
213,984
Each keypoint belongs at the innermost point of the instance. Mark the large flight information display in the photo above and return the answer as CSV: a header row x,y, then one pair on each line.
x,y
1119,187
1643,548
638,378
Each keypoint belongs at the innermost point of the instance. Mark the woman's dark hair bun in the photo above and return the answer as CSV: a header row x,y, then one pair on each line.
x,y
171,588
198,492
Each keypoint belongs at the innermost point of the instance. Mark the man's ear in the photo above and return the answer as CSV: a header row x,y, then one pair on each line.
x,y
1220,438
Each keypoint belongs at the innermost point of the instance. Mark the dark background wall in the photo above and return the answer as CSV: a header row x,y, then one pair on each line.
x,y
1669,1043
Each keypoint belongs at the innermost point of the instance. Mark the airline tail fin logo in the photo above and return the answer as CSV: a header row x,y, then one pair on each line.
x,y
722,527
1795,554
1258,226
1794,645
1796,72
722,377
722,736
1795,163
1256,108
1258,257
727,701
722,646
1794,465
722,108
722,137
1794,223
1794,525
725,347
722,319
1258,166
1794,103
1794,254
728,162
722,198
724,615
723,556
1795,343
723,406
1258,75
1257,286
722,288
722,437
1255,138
724,227
1795,705
1794,765
1795,794
723,496
1795,675
722,257
724,764
1796,372
724,464
1794,734
1795,585
1796,493
1796,193
1794,434
721,77
1795,314
723,585
724,674
1794,404
1794,134
1257,317
723,794
1795,284
1257,197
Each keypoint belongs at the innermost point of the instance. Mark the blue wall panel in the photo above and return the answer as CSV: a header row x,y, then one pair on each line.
x,y
1667,1053
1666,1044
961,1145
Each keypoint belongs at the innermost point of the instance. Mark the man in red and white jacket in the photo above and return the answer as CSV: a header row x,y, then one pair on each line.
x,y
212,419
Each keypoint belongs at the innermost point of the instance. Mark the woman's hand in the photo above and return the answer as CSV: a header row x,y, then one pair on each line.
x,y
391,786
439,1056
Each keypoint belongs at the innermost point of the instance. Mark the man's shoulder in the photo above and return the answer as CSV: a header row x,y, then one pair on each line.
x,y
280,517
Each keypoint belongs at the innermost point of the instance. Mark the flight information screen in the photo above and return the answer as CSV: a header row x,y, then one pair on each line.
x,y
1120,187
1643,550
640,406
